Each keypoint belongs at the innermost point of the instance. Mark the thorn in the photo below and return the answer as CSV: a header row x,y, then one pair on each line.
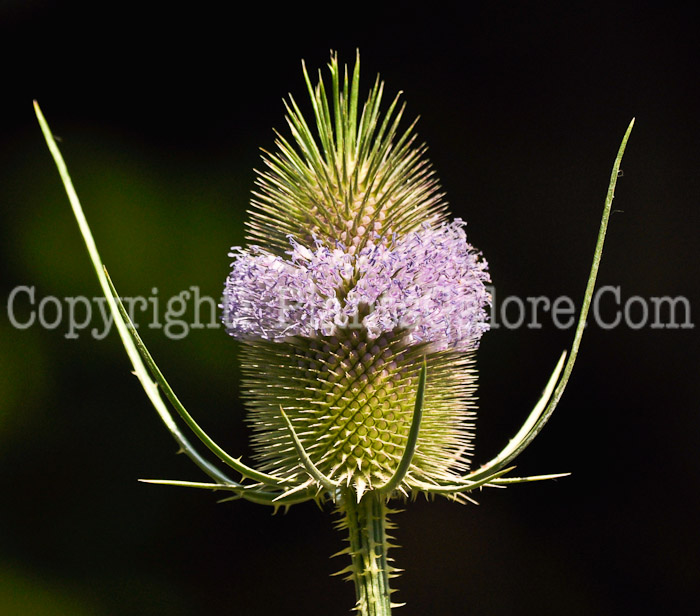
x,y
360,488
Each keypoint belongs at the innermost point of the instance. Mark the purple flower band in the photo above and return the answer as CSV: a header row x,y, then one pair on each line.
x,y
430,283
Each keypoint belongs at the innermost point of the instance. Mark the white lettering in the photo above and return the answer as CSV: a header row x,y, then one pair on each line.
x,y
31,292
596,306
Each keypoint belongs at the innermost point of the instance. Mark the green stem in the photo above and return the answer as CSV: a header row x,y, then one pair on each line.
x,y
366,523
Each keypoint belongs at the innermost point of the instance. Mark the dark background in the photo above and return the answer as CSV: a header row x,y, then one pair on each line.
x,y
161,112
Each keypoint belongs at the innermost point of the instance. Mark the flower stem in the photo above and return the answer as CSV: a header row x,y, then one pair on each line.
x,y
366,523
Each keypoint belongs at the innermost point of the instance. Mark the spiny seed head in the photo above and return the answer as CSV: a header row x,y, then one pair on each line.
x,y
353,277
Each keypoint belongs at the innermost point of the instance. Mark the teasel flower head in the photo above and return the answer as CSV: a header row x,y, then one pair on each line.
x,y
354,278
360,307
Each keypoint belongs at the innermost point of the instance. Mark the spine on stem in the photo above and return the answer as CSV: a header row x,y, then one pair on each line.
x,y
366,524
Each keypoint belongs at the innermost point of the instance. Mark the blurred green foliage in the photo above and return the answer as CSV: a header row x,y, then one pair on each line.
x,y
26,594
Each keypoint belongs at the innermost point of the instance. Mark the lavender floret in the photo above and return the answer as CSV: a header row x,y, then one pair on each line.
x,y
430,282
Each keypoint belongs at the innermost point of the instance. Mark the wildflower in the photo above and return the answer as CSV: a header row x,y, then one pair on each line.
x,y
360,308
345,313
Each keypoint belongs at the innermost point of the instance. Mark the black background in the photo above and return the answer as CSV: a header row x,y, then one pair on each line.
x,y
161,112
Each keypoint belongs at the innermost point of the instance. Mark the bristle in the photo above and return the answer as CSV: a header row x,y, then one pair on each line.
x,y
342,173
